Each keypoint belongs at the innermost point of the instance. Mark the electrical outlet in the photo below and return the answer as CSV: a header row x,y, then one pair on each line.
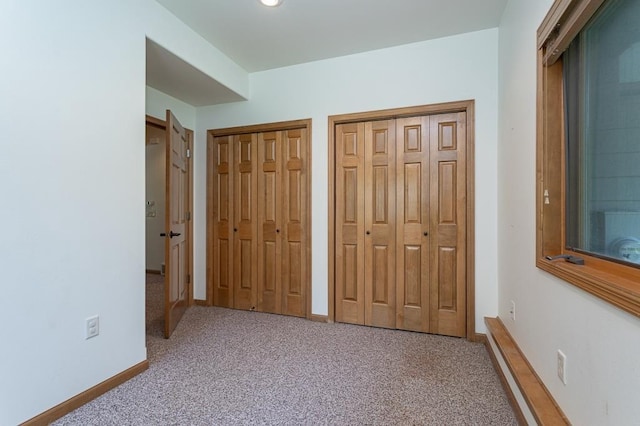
x,y
562,367
92,327
512,312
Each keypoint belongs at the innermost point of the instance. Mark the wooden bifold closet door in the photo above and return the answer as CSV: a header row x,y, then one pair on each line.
x,y
365,241
260,221
400,223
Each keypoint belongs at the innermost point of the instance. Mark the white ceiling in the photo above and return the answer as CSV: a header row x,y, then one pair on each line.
x,y
258,38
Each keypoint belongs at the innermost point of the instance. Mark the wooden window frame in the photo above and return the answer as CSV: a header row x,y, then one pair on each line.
x,y
615,283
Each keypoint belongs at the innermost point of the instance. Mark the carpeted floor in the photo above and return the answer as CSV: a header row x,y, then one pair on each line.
x,y
224,367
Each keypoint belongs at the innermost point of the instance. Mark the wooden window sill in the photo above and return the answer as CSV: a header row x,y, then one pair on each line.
x,y
616,284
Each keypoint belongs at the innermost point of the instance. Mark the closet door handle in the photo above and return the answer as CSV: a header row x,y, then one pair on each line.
x,y
277,231
235,229
368,232
426,233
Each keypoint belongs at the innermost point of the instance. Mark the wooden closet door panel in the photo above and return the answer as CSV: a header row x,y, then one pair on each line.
x,y
294,227
222,250
379,219
269,220
448,221
245,229
412,224
349,292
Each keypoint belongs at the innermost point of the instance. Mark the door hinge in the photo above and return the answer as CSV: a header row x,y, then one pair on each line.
x,y
188,215
188,153
188,278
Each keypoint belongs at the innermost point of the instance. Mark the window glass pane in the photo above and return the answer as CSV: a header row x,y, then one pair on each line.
x,y
602,92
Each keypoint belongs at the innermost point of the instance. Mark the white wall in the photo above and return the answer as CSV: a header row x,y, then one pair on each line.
x,y
157,103
73,201
601,342
449,69
72,108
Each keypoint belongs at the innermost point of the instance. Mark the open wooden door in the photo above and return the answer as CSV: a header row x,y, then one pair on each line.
x,y
176,287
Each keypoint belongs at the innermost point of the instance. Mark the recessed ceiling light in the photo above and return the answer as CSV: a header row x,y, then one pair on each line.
x,y
271,3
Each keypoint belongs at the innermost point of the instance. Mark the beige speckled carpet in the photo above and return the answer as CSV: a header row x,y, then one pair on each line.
x,y
226,367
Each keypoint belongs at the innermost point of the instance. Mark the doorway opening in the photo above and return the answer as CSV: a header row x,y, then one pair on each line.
x,y
161,300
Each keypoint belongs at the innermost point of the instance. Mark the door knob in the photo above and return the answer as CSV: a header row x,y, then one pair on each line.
x,y
173,234
235,229
426,233
163,234
368,232
277,231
